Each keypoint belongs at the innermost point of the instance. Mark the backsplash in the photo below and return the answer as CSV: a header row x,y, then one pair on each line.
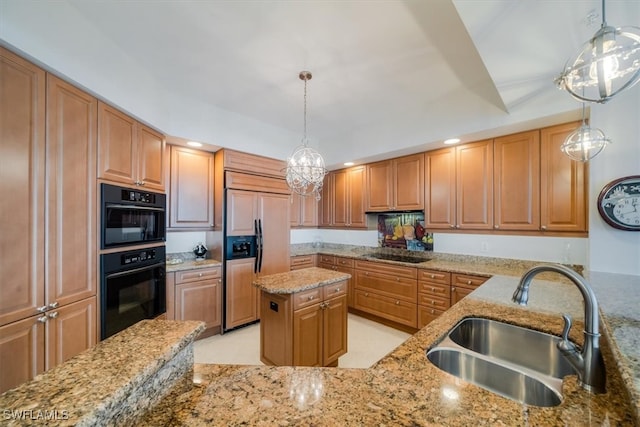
x,y
404,231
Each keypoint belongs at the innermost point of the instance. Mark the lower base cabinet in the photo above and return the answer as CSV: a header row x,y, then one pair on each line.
x,y
196,295
33,345
307,328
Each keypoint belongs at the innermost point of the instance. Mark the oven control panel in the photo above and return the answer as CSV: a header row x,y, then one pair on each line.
x,y
138,196
136,257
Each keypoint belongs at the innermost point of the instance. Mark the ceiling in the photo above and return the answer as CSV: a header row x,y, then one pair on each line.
x,y
389,76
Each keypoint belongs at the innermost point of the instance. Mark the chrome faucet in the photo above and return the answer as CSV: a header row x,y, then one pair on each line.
x,y
588,363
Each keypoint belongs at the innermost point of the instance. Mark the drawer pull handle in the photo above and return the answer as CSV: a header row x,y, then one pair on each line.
x,y
433,276
42,319
433,289
397,302
199,274
310,297
366,294
53,315
468,282
397,279
337,289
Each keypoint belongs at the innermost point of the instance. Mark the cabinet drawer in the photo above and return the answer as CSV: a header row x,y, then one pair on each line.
x,y
327,266
301,261
467,281
434,289
393,270
434,276
306,298
197,275
328,259
434,302
391,286
389,308
426,315
334,290
344,262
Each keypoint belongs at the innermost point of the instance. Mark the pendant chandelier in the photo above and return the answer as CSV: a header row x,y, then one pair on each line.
x,y
305,169
608,64
584,143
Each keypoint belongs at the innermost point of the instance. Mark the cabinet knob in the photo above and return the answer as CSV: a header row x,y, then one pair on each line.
x,y
397,279
366,273
453,289
457,226
53,304
41,309
42,319
544,227
452,226
433,276
310,297
433,289
468,282
433,311
53,315
496,226
337,289
433,302
397,302
199,274
366,294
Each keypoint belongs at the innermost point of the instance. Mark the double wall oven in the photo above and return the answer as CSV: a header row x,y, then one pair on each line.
x,y
132,263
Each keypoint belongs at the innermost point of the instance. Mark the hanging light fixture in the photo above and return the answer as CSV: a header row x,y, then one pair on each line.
x,y
608,64
584,143
305,169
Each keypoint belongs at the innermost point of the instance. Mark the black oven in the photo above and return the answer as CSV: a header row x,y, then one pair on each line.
x,y
131,217
132,288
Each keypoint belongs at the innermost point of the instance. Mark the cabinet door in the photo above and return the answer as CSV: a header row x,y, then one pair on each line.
x,y
325,206
307,336
356,201
241,296
563,183
440,191
71,194
242,211
409,182
474,186
516,181
295,210
273,211
21,351
191,195
71,329
22,196
150,158
379,186
334,329
199,301
117,150
308,211
340,198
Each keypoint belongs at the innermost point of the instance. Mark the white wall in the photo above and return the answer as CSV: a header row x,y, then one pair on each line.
x,y
184,241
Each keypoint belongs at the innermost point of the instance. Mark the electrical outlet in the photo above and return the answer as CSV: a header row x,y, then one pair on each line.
x,y
484,247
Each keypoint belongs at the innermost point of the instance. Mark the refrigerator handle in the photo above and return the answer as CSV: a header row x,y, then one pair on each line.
x,y
260,245
255,260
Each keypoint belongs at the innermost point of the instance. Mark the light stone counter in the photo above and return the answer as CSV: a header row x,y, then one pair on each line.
x,y
299,280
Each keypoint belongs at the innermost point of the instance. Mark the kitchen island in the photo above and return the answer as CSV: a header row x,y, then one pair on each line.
x,y
303,318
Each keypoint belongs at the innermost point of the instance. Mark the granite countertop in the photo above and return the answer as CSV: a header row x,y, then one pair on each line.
x,y
404,388
89,389
299,280
190,264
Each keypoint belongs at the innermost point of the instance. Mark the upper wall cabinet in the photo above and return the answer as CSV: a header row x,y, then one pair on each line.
x,y
563,183
459,190
343,199
128,151
396,184
516,181
304,211
191,189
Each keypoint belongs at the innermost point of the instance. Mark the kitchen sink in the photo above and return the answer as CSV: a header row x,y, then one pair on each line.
x,y
515,362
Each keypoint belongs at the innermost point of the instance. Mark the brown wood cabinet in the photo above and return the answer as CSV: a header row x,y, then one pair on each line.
x,y
396,184
307,328
39,301
242,297
299,262
387,291
463,284
343,265
434,295
516,181
303,211
563,183
128,151
197,295
343,199
470,206
191,189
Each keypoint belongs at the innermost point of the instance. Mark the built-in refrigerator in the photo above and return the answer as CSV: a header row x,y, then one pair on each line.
x,y
256,242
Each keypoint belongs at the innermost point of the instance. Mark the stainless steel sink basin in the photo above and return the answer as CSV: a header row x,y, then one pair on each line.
x,y
497,378
515,362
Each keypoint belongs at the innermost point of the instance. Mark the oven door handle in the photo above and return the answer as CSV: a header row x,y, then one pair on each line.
x,y
135,270
135,207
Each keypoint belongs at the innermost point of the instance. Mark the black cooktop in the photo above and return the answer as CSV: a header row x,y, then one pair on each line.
x,y
399,258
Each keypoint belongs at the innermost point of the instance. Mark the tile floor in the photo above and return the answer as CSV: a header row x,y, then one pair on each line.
x,y
368,342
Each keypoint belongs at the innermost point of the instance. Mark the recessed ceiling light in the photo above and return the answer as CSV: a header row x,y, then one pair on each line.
x,y
194,144
451,141
349,163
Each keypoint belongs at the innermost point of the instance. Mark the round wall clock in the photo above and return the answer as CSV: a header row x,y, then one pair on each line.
x,y
619,203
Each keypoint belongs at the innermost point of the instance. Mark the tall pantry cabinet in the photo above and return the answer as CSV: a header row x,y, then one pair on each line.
x,y
47,221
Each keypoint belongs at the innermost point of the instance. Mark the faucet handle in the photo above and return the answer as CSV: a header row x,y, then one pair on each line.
x,y
565,345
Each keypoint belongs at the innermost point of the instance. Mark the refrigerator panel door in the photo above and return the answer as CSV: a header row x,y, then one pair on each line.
x,y
274,215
